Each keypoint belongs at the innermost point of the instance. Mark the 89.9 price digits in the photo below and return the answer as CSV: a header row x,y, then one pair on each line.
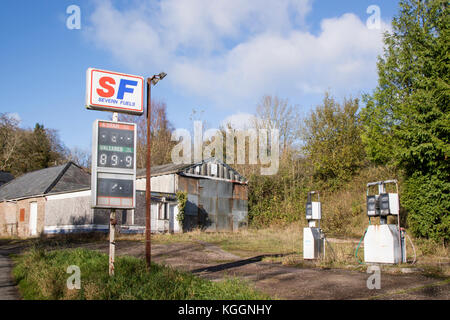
x,y
106,159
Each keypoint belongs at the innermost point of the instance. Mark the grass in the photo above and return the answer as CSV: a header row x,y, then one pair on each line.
x,y
42,275
244,243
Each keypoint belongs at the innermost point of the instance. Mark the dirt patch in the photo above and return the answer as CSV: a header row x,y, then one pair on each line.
x,y
279,281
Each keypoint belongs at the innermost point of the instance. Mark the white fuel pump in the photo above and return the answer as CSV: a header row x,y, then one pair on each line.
x,y
313,237
384,243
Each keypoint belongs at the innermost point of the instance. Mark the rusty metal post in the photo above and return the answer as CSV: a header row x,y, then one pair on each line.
x,y
112,244
148,182
112,225
148,188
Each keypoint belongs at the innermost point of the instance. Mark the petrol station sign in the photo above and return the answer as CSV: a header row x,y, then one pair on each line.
x,y
113,178
115,92
113,165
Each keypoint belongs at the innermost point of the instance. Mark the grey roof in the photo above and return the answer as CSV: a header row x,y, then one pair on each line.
x,y
66,177
188,169
5,177
162,169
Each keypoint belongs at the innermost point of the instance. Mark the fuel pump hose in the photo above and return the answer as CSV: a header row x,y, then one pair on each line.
x,y
357,248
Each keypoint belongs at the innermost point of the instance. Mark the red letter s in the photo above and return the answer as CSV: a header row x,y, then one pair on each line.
x,y
105,84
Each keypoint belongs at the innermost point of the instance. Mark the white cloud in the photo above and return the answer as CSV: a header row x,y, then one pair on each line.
x,y
15,116
234,50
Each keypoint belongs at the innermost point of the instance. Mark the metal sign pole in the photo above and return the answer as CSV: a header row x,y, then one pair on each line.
x,y
148,188
112,226
148,183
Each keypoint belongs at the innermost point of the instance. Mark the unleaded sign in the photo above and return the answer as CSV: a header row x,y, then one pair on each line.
x,y
114,164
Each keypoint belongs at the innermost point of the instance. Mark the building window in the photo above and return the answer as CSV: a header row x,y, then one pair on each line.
x,y
22,215
124,217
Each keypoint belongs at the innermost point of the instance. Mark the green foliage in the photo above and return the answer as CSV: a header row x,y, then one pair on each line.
x,y
25,150
407,118
409,108
333,141
427,199
182,199
279,198
42,275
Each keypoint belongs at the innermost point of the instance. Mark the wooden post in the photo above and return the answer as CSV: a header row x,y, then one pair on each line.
x,y
112,225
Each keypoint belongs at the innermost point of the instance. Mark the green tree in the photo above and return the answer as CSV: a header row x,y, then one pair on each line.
x,y
332,135
39,148
24,150
407,119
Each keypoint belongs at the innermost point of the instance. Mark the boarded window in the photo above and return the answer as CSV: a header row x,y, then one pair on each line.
x,y
124,217
163,211
22,215
166,211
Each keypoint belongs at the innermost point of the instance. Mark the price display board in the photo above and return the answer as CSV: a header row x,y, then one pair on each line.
x,y
113,165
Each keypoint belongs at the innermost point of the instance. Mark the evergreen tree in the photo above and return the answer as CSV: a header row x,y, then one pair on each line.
x,y
407,119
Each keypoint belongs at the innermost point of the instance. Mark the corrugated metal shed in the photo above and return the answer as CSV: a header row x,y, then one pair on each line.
x,y
216,193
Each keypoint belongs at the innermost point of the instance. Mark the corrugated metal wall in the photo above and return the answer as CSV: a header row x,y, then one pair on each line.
x,y
214,205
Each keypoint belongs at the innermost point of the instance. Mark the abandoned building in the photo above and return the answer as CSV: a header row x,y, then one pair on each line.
x,y
216,193
42,200
58,200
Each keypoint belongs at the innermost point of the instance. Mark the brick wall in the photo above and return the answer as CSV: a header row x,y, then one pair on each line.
x,y
15,217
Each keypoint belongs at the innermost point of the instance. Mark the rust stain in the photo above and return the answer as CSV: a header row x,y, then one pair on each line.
x,y
239,191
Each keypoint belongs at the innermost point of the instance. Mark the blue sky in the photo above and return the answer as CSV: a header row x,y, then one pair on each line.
x,y
220,56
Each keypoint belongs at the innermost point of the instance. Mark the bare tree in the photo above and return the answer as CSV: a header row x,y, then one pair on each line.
x,y
160,135
80,156
9,140
275,113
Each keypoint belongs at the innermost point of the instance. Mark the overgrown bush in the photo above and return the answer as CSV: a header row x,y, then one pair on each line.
x,y
182,199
